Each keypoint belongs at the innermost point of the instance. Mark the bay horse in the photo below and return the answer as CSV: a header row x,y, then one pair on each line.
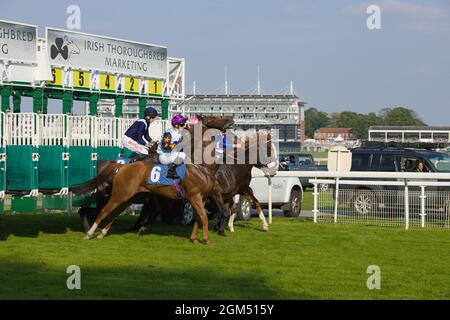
x,y
238,178
131,179
233,179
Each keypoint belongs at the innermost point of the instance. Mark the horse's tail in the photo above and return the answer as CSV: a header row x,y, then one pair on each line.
x,y
104,176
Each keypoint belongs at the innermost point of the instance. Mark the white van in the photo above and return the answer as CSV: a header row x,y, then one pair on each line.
x,y
287,195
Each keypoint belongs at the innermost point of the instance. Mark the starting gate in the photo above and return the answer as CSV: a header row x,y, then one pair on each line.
x,y
82,149
53,154
109,137
22,155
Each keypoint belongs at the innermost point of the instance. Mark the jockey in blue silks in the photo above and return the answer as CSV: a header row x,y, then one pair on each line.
x,y
137,137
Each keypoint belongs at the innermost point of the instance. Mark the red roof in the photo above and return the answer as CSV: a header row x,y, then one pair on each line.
x,y
334,130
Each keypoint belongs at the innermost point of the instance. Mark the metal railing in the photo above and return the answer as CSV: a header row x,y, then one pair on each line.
x,y
377,198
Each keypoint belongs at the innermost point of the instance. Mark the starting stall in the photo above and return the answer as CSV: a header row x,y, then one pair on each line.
x,y
46,154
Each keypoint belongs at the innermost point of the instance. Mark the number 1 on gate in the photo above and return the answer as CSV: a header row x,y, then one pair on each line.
x,y
155,87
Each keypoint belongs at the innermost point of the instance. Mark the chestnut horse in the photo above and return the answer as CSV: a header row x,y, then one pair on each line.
x,y
234,178
131,179
88,215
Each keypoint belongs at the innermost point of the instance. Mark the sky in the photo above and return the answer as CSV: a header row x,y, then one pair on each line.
x,y
325,47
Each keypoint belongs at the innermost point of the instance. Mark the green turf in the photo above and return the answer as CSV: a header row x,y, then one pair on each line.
x,y
296,259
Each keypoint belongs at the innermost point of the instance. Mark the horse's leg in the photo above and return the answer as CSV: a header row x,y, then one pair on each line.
x,y
194,233
223,213
233,210
256,203
110,206
153,209
197,203
114,214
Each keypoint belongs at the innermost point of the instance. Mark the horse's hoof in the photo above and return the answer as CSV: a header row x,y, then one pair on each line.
x,y
100,236
266,228
141,231
194,241
88,237
207,242
231,230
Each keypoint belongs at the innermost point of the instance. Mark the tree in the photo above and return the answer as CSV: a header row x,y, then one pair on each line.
x,y
359,123
314,120
400,116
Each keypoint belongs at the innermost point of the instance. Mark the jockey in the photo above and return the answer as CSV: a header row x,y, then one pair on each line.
x,y
223,144
134,137
169,140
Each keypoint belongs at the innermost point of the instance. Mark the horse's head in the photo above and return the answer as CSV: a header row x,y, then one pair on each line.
x,y
261,147
217,122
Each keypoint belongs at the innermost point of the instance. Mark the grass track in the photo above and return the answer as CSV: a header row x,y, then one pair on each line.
x,y
295,260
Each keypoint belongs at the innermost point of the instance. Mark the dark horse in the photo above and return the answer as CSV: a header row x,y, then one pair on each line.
x,y
130,180
232,179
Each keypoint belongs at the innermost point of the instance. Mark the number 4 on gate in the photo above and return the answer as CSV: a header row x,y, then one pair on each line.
x,y
107,82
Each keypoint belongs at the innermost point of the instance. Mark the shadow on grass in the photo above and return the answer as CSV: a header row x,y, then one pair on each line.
x,y
37,281
31,225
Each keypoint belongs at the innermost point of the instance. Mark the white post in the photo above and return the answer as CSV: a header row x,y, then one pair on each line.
x,y
270,199
336,200
315,194
406,205
422,206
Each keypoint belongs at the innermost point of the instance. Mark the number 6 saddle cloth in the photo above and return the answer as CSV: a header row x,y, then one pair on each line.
x,y
158,174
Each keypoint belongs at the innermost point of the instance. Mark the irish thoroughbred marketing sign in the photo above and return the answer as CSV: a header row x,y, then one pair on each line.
x,y
17,42
90,52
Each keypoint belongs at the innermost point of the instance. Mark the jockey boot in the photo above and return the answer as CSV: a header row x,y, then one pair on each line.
x,y
172,173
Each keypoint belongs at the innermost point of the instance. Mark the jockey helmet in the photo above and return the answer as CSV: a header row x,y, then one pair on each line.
x,y
179,118
151,112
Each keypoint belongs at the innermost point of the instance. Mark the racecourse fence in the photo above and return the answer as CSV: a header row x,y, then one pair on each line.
x,y
409,200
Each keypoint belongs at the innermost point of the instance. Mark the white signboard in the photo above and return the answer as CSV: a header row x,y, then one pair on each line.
x,y
339,159
17,42
90,52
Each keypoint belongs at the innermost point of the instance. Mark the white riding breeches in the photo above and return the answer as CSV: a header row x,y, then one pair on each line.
x,y
172,157
132,145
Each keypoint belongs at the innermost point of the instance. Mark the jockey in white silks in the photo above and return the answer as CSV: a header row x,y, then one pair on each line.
x,y
137,138
170,138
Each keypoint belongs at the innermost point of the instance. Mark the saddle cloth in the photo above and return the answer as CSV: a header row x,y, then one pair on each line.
x,y
158,174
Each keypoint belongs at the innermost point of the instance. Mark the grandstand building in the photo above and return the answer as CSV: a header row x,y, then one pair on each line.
x,y
410,134
284,113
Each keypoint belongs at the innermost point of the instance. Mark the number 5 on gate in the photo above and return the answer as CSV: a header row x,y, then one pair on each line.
x,y
81,79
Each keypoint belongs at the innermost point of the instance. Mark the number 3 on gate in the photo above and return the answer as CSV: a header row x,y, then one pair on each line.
x,y
155,174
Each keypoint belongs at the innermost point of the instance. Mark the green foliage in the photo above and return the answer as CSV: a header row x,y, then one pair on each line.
x,y
400,117
296,259
314,120
360,123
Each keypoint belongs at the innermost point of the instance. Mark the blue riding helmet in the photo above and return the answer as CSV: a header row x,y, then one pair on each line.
x,y
150,111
